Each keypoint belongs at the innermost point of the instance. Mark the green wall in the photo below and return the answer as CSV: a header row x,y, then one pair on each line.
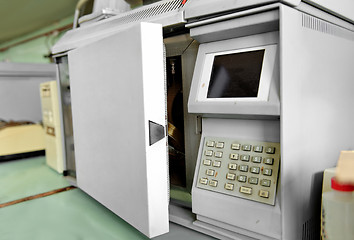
x,y
31,48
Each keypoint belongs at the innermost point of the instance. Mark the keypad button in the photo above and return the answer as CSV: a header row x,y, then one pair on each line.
x,y
246,147
216,163
265,182
210,172
209,153
213,183
264,194
210,143
270,150
245,158
257,159
203,181
255,170
232,166
230,176
243,168
258,149
234,156
246,190
220,144
253,180
268,161
229,186
267,172
218,154
235,146
207,162
241,178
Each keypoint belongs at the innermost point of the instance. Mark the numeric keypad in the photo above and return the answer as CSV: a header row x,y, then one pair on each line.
x,y
245,169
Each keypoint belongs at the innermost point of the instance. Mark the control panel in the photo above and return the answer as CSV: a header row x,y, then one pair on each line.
x,y
245,169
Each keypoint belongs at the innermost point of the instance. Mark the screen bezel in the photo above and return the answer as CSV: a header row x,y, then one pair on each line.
x,y
265,78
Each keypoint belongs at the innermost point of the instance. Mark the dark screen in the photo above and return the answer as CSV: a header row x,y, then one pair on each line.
x,y
236,75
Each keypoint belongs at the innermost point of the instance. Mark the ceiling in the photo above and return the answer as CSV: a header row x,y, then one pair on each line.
x,y
20,17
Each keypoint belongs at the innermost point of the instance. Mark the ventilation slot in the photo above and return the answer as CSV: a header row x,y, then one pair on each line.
x,y
149,11
310,230
325,27
316,24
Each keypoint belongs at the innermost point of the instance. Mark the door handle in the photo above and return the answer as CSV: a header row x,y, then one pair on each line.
x,y
156,132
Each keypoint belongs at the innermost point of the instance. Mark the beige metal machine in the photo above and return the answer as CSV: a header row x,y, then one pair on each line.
x,y
21,141
51,121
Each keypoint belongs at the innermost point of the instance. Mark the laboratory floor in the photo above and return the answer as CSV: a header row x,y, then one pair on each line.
x,y
59,211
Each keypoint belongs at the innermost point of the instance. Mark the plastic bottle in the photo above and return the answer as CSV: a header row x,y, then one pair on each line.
x,y
338,212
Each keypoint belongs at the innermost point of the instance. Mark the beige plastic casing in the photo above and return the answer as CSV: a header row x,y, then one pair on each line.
x,y
21,139
51,122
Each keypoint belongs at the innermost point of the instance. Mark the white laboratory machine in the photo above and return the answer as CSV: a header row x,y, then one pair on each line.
x,y
231,109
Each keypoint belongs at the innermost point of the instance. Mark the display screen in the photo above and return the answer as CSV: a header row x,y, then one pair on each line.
x,y
236,75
